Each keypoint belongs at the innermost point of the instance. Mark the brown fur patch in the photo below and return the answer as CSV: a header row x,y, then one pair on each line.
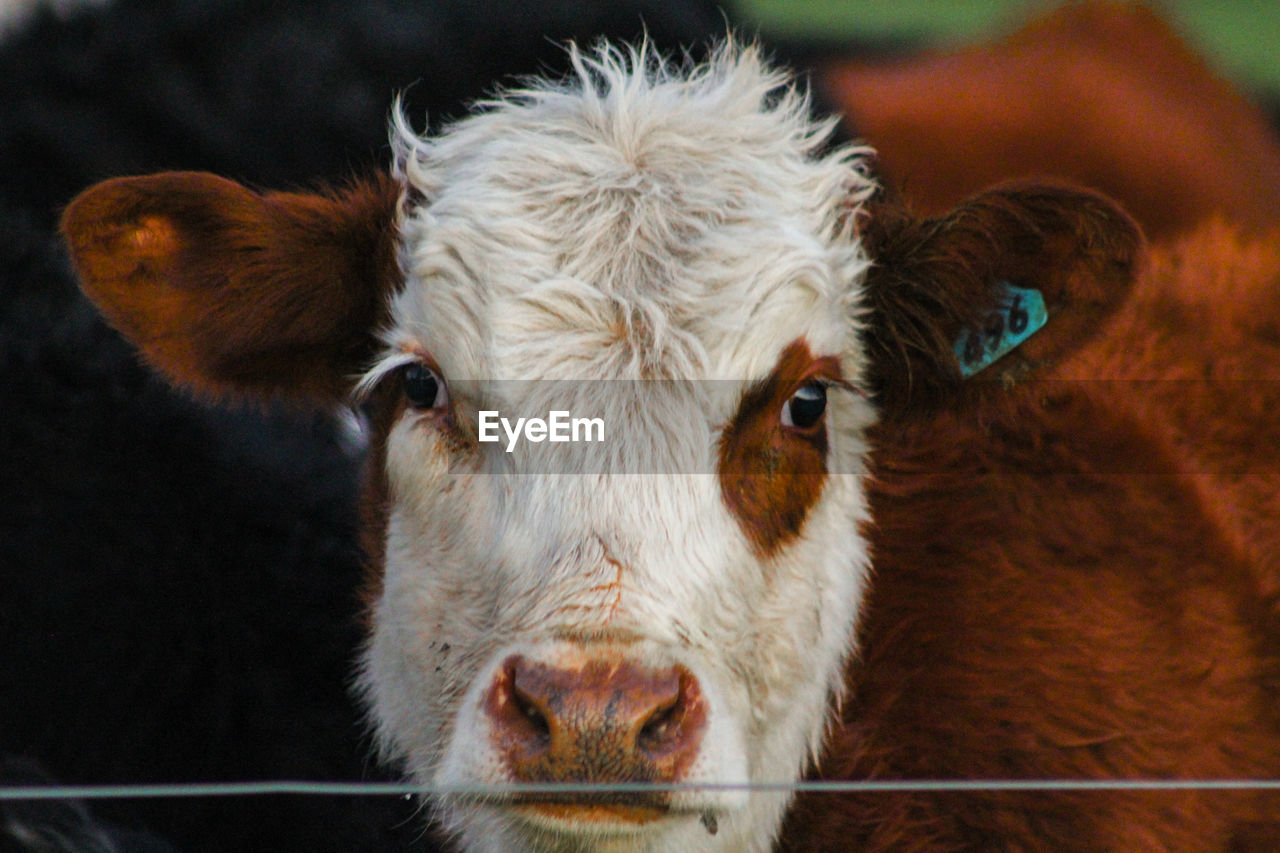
x,y
771,475
1208,373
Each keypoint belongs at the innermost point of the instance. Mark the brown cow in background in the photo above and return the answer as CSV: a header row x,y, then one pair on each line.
x,y
1104,94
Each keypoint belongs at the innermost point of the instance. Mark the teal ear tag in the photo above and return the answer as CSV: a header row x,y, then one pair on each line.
x,y
1021,314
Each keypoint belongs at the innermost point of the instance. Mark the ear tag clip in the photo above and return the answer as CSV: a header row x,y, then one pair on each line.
x,y
1021,314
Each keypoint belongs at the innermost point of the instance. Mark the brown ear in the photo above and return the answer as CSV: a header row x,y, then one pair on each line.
x,y
936,281
229,291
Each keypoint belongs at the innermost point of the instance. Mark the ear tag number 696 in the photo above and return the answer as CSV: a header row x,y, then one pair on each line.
x,y
1021,314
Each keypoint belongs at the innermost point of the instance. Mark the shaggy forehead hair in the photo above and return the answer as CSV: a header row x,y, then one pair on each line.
x,y
627,222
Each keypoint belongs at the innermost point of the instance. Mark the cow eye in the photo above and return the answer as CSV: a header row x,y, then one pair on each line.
x,y
424,388
805,408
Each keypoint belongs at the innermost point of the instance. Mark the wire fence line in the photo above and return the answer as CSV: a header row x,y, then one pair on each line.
x,y
392,789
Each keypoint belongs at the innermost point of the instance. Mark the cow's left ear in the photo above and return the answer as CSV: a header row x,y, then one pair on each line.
x,y
232,292
994,292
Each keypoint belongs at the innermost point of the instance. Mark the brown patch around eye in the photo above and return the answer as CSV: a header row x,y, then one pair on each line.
x,y
771,475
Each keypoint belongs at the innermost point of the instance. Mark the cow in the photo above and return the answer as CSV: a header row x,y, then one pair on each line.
x,y
644,643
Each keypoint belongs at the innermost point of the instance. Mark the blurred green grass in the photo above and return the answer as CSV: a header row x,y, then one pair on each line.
x,y
1240,37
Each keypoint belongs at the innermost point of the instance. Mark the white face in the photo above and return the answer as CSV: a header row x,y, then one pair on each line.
x,y
670,256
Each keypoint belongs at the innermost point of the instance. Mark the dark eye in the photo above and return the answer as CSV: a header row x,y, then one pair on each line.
x,y
424,388
806,407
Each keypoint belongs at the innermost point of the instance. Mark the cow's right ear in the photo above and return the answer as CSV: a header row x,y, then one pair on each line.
x,y
993,293
237,293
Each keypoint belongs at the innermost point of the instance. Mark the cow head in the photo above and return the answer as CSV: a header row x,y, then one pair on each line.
x,y
676,253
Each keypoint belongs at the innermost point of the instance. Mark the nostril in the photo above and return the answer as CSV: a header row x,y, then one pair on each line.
x,y
521,720
534,716
665,729
658,728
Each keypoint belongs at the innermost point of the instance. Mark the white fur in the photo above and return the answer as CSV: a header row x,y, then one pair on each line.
x,y
637,222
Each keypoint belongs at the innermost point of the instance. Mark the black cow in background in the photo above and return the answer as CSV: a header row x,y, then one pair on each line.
x,y
178,583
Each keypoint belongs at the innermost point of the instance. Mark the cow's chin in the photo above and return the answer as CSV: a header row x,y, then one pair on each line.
x,y
569,826
578,822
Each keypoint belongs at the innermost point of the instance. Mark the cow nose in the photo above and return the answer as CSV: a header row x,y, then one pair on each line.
x,y
602,721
